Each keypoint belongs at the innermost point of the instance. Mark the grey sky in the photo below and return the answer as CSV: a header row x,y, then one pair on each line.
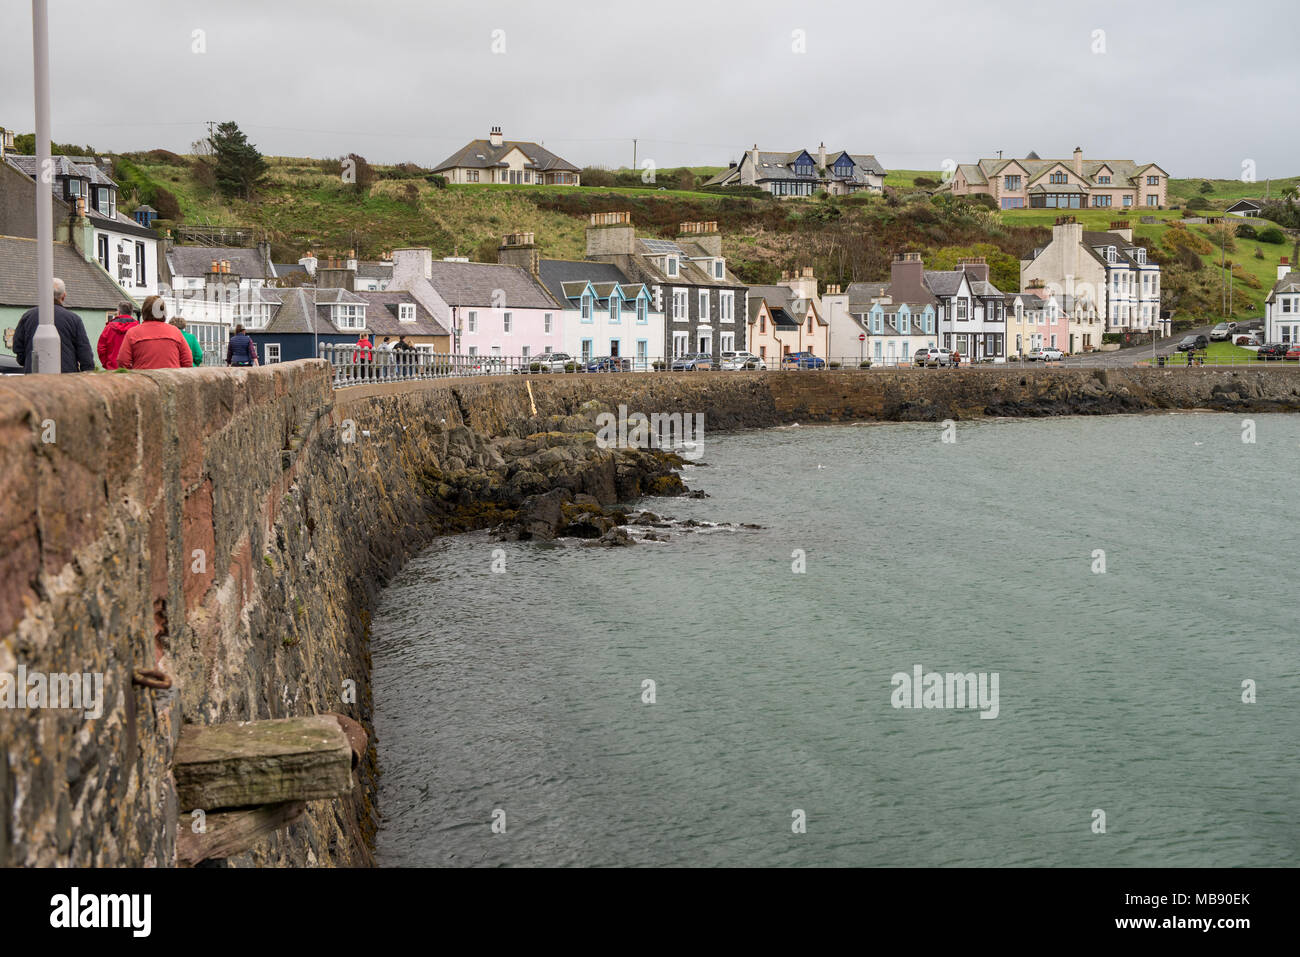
x,y
1198,87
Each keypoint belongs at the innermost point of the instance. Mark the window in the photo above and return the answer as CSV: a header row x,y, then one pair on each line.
x,y
680,305
1013,202
1151,201
140,278
1011,182
615,308
271,352
471,176
586,350
642,310
1286,303
717,269
961,310
547,325
405,312
349,315
1153,180
507,323
101,248
929,323
728,342
680,340
642,351
528,176
73,188
1058,178
704,304
672,266
1128,201
727,306
1103,179
523,351
762,323
471,322
1101,201
586,307
473,350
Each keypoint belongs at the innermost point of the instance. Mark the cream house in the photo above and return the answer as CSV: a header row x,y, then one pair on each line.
x,y
502,161
1075,183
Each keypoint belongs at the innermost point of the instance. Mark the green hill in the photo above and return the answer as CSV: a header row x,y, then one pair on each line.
x,y
305,204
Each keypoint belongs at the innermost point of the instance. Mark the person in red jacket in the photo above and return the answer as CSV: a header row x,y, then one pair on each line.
x,y
110,340
362,357
154,343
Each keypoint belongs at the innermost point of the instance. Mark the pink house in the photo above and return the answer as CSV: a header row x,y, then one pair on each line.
x,y
1056,319
492,309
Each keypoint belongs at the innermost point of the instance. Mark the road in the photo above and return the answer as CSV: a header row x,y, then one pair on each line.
x,y
1135,354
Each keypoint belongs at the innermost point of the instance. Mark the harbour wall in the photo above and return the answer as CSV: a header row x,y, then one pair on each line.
x,y
227,530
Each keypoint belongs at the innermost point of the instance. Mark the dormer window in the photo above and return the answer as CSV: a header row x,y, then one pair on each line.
x,y
718,269
586,306
1111,255
1058,178
671,264
1140,254
72,188
103,200
615,308
406,312
1103,179
347,315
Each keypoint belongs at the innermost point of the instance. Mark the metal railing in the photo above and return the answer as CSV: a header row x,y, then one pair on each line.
x,y
357,366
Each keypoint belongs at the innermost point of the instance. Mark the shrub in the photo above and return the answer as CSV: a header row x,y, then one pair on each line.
x,y
1180,238
1206,187
925,182
833,365
166,203
1246,231
1272,235
1188,259
438,180
1198,202
595,176
864,364
1259,253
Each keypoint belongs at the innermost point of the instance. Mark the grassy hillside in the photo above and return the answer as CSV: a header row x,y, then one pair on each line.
x,y
306,205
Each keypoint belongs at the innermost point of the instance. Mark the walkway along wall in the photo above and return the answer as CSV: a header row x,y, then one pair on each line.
x,y
230,528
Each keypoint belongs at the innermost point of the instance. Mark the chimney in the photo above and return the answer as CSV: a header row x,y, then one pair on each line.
x,y
264,254
1121,228
976,267
518,249
610,234
1283,267
821,156
801,282
905,278
352,260
1078,161
410,266
309,263
495,137
705,235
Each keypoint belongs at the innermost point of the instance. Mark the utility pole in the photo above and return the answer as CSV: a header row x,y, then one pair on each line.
x,y
45,346
634,154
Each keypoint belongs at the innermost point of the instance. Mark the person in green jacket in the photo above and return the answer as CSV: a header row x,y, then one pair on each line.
x,y
195,349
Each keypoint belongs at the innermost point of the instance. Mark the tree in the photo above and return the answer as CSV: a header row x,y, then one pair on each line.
x,y
1206,186
240,168
357,173
1198,202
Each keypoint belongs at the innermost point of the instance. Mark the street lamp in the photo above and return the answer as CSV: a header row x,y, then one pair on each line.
x,y
46,351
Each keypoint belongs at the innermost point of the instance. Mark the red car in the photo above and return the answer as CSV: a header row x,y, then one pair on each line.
x,y
1293,352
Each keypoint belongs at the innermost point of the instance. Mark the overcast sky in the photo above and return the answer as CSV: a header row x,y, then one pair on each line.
x,y
1198,87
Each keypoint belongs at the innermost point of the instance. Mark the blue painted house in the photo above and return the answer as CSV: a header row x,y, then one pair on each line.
x,y
288,324
895,330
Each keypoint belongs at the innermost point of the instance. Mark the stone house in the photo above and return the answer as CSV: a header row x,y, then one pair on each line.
x,y
502,161
1074,183
805,173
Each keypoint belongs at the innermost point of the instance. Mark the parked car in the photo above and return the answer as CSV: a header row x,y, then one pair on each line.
x,y
609,364
1293,353
933,357
1274,350
1223,331
693,363
1247,339
550,361
1189,343
9,365
1045,354
489,365
731,361
802,360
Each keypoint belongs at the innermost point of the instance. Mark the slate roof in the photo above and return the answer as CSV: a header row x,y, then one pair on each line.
x,y
481,154
775,165
288,269
63,166
688,273
382,318
1122,171
194,261
556,272
88,285
305,309
861,293
474,284
374,270
1123,247
1290,283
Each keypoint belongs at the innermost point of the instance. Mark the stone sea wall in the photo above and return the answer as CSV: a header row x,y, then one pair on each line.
x,y
230,529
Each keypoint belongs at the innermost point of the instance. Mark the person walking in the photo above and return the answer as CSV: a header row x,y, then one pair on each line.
x,y
154,343
385,357
74,345
191,340
241,350
115,330
956,359
362,356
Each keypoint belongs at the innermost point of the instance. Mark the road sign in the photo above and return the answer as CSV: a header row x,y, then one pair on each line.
x,y
862,337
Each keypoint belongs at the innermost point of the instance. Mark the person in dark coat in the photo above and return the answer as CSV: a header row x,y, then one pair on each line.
x,y
75,354
241,350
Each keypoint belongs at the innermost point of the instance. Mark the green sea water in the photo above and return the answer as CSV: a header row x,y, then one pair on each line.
x,y
520,699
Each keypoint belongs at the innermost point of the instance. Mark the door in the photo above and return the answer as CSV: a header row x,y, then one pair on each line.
x,y
706,347
613,348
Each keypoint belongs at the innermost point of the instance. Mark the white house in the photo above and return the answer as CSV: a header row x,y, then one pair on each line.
x,y
1282,306
604,314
